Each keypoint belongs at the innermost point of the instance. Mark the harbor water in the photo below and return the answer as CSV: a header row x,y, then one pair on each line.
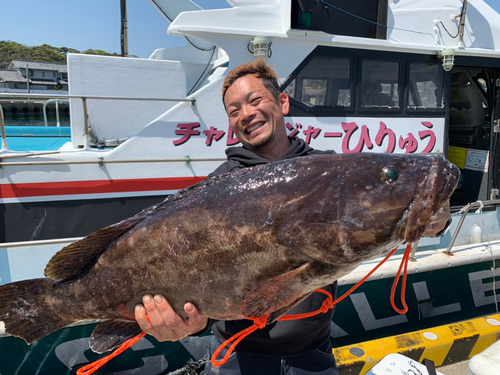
x,y
36,119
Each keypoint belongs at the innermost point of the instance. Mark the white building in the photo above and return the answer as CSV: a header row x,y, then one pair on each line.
x,y
42,75
12,79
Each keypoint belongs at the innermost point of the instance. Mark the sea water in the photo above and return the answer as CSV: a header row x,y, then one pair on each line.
x,y
35,119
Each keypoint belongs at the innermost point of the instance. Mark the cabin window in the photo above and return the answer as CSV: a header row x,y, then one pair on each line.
x,y
351,82
379,84
314,91
425,90
323,82
342,17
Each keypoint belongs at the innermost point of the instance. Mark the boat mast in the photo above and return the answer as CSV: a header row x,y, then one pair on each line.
x,y
124,37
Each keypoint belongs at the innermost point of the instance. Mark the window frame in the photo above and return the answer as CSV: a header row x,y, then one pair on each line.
x,y
356,58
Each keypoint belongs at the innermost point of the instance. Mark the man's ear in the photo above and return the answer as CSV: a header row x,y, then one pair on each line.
x,y
285,103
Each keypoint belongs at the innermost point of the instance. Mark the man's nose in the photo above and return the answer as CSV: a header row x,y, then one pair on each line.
x,y
247,111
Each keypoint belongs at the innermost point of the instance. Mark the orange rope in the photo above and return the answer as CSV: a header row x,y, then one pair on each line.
x,y
260,322
94,366
404,263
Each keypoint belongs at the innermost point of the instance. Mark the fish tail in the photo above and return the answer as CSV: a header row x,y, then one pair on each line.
x,y
26,311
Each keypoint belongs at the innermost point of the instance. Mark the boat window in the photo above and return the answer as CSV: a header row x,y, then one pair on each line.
x,y
379,85
425,89
351,82
323,82
314,91
367,19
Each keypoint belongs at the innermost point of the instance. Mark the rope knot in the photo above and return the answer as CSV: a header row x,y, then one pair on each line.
x,y
261,322
327,305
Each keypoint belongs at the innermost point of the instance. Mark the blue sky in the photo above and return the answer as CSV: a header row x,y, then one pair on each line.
x,y
89,24
94,24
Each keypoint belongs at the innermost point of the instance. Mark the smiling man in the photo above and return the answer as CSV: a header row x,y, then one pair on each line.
x,y
256,116
256,109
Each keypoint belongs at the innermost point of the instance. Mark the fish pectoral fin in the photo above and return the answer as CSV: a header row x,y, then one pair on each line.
x,y
111,334
276,296
274,316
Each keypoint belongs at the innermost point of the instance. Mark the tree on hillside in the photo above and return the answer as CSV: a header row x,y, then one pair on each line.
x,y
99,52
10,50
48,53
13,51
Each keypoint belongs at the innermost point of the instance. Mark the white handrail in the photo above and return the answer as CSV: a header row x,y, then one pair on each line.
x,y
48,96
58,123
84,99
464,211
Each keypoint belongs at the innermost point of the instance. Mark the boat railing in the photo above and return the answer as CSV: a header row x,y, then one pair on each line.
x,y
57,101
478,205
2,129
55,241
84,99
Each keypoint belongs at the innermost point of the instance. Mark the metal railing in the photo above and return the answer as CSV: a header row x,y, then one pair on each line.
x,y
56,241
84,99
58,122
464,211
5,147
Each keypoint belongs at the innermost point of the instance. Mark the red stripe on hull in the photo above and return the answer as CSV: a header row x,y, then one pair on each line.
x,y
94,187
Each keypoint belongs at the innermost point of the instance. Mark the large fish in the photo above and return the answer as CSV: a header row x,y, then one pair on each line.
x,y
240,245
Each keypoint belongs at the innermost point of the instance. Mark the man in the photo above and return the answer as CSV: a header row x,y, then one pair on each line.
x,y
256,109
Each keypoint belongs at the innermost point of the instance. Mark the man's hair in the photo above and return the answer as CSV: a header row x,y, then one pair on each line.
x,y
260,70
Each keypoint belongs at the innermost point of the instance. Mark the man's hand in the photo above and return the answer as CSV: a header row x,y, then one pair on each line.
x,y
439,222
157,318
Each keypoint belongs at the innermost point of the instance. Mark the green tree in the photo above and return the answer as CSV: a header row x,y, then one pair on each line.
x,y
10,50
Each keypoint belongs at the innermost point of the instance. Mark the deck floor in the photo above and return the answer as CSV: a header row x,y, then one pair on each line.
x,y
459,368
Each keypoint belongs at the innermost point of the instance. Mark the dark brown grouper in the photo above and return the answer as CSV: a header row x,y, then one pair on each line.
x,y
239,245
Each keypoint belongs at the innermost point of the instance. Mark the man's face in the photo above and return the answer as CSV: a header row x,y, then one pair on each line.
x,y
254,115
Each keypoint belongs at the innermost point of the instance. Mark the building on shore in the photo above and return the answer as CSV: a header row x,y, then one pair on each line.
x,y
42,75
39,77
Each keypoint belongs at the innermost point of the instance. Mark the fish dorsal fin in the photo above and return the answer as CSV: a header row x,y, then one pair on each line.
x,y
75,260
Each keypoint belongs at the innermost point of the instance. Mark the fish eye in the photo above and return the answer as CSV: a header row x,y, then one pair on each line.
x,y
389,173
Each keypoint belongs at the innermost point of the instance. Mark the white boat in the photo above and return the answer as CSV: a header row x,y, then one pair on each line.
x,y
413,76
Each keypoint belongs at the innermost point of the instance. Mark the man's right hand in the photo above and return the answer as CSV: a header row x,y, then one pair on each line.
x,y
157,318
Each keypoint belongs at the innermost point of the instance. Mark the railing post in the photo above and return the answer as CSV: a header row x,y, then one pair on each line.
x,y
44,110
5,147
86,141
58,123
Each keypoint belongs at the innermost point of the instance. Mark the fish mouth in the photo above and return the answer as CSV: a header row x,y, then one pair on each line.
x,y
432,194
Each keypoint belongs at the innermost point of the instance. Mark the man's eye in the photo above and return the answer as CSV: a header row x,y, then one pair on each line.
x,y
256,100
233,113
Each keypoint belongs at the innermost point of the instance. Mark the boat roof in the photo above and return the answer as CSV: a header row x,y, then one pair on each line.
x,y
413,25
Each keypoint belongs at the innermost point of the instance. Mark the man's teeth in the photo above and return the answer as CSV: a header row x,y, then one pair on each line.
x,y
254,128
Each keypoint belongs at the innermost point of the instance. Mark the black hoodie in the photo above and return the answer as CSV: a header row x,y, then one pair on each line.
x,y
281,339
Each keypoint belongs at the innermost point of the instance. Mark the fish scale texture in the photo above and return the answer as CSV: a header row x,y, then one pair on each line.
x,y
240,245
